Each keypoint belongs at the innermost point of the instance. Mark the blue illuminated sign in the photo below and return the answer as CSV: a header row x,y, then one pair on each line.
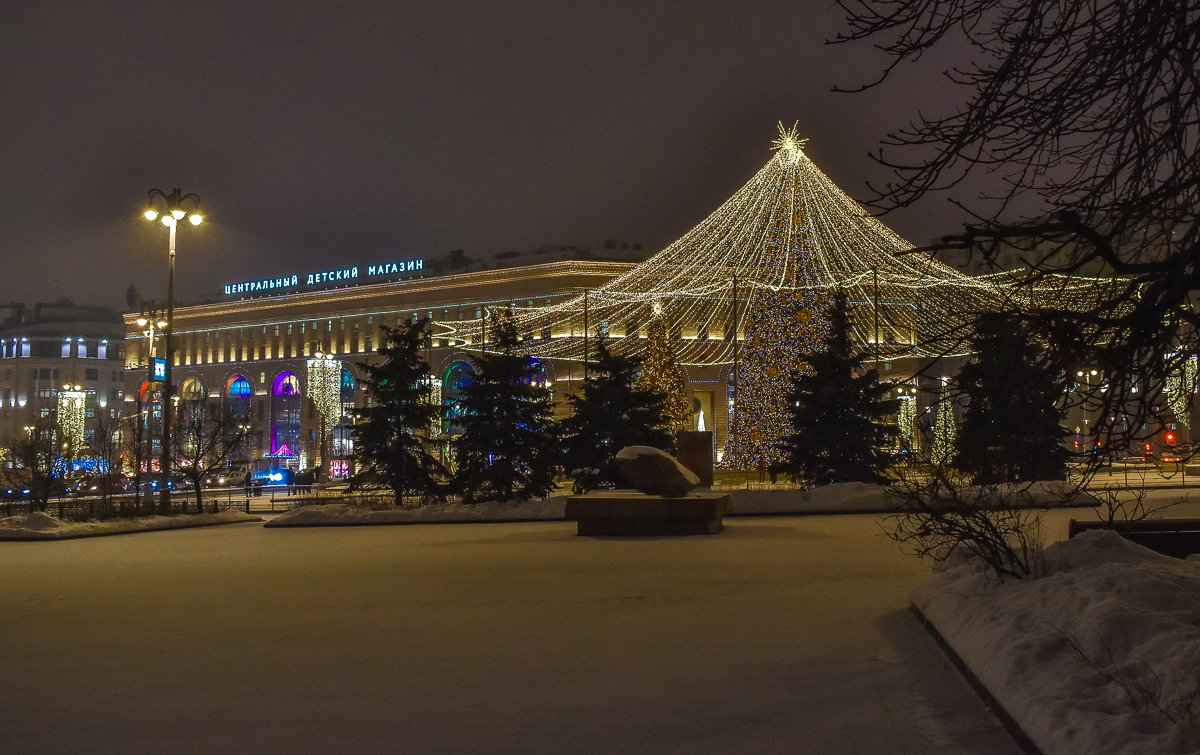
x,y
348,276
158,370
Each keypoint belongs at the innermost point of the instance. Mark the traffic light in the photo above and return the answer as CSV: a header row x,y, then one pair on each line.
x,y
1169,438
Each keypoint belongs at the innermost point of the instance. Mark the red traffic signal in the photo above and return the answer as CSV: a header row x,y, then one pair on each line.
x,y
1169,437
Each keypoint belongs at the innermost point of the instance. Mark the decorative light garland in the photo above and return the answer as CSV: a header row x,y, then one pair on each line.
x,y
945,430
906,419
71,414
1180,386
324,386
774,251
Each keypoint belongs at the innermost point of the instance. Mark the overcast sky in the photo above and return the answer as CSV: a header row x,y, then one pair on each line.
x,y
320,135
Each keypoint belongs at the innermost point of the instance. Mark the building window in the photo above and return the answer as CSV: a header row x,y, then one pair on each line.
x,y
83,350
102,349
91,374
66,348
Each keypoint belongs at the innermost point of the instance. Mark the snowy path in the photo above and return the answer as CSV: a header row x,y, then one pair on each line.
x,y
779,635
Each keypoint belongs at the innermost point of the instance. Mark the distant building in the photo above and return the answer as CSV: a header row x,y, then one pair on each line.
x,y
54,345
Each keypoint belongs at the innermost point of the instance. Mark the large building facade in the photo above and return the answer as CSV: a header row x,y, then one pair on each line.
x,y
262,357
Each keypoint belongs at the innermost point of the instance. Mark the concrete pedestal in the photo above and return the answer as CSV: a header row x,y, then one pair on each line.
x,y
638,514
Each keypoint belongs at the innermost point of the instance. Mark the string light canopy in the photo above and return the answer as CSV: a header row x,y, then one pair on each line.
x,y
788,230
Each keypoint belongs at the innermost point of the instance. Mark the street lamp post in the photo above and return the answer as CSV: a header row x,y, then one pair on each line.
x,y
172,211
152,320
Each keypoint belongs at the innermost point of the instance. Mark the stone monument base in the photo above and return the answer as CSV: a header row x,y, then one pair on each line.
x,y
610,513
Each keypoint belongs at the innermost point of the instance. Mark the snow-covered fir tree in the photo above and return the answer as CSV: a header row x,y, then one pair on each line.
x,y
1012,420
838,410
391,434
609,414
509,447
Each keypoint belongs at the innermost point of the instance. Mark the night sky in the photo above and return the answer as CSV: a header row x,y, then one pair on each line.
x,y
322,135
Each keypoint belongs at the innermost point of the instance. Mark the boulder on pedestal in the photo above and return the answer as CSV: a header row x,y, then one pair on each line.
x,y
655,472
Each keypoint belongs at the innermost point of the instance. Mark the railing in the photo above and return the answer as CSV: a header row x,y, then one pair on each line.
x,y
120,507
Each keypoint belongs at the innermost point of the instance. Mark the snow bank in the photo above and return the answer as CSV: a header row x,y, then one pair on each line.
x,y
344,514
842,496
846,497
42,526
1101,655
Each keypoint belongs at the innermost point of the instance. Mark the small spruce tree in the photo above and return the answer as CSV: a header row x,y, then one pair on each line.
x,y
509,447
837,412
392,446
610,414
1012,425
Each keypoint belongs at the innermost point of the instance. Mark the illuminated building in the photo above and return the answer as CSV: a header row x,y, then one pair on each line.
x,y
55,345
287,359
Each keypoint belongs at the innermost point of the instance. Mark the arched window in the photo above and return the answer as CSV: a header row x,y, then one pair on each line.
x,y
192,390
348,392
458,376
237,391
538,370
286,402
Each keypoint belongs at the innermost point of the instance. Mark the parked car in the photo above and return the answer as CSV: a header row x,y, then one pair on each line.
x,y
226,477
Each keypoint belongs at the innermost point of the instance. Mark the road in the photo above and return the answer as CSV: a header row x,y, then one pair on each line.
x,y
782,634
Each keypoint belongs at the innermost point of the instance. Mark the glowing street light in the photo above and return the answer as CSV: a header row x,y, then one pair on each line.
x,y
172,208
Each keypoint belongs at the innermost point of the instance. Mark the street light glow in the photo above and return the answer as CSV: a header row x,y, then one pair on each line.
x,y
196,219
150,214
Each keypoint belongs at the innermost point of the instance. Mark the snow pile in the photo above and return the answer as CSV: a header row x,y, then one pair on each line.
x,y
1100,655
838,497
41,526
345,514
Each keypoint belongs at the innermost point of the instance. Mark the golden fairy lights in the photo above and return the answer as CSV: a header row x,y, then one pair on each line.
x,y
325,386
71,413
914,299
1180,386
774,251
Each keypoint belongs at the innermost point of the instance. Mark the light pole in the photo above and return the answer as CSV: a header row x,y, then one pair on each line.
x,y
172,211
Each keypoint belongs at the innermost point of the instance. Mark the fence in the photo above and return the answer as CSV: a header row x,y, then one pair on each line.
x,y
120,507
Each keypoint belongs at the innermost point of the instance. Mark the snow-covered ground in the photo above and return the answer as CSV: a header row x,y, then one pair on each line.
x,y
1099,655
781,635
42,526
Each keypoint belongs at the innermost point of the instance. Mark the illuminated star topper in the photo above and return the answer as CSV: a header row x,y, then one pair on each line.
x,y
789,141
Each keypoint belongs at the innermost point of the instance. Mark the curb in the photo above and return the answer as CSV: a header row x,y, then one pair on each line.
x,y
1007,721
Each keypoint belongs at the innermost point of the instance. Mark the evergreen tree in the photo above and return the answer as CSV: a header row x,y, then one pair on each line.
x,y
391,435
509,446
1012,427
837,411
661,374
610,414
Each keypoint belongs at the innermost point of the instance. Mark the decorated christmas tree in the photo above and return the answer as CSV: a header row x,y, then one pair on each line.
x,y
661,375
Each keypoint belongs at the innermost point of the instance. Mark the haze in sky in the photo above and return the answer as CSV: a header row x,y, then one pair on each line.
x,y
320,135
